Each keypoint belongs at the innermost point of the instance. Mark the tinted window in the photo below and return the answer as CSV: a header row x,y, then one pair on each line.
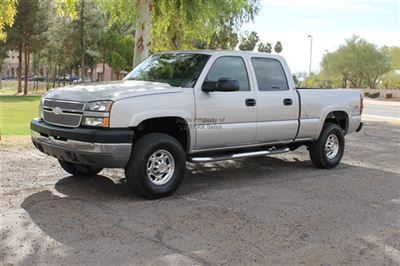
x,y
229,67
176,69
269,74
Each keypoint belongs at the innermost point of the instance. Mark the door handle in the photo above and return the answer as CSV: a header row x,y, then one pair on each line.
x,y
250,102
287,101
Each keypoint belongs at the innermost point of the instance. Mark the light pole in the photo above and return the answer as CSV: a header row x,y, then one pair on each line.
x,y
311,40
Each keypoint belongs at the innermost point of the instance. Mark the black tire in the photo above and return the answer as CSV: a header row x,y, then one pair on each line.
x,y
76,169
136,169
318,155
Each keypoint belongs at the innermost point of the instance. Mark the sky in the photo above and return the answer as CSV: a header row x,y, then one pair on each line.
x,y
330,22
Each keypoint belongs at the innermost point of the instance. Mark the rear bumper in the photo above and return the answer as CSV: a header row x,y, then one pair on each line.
x,y
98,147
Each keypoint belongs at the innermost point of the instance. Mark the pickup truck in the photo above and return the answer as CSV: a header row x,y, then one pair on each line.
x,y
197,106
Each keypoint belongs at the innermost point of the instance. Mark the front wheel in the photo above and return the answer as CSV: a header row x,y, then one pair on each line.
x,y
157,166
327,151
76,169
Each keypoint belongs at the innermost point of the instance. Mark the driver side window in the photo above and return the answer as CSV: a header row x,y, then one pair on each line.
x,y
228,67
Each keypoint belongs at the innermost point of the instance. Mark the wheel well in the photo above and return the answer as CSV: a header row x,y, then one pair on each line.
x,y
173,126
340,118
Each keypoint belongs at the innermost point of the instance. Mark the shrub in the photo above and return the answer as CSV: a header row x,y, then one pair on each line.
x,y
389,96
366,94
374,95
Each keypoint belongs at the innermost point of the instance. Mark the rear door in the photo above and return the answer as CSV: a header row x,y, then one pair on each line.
x,y
278,106
226,119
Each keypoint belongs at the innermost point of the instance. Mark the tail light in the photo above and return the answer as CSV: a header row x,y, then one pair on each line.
x,y
361,103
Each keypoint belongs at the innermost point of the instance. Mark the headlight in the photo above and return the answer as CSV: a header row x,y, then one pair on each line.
x,y
99,106
97,114
96,121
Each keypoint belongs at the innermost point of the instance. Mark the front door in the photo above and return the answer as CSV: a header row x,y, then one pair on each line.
x,y
226,119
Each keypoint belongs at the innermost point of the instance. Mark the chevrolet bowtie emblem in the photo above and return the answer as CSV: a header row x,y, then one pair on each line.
x,y
57,111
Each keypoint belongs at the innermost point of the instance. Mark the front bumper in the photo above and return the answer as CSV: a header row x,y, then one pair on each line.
x,y
107,148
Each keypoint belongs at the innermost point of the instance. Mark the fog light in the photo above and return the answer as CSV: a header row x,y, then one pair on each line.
x,y
95,121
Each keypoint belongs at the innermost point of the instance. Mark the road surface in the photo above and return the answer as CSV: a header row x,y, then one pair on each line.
x,y
381,110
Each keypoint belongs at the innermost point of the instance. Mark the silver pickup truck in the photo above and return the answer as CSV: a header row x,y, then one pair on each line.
x,y
197,106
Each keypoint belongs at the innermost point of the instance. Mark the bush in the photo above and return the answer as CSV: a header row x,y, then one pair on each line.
x,y
374,95
389,96
366,94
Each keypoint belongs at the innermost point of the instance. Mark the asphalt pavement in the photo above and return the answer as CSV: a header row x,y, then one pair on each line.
x,y
276,210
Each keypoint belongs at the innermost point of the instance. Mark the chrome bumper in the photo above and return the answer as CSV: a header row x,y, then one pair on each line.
x,y
111,155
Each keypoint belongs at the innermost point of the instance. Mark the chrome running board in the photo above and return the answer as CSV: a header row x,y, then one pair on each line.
x,y
233,156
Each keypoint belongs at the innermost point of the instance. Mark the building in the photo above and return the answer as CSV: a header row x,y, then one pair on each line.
x,y
10,65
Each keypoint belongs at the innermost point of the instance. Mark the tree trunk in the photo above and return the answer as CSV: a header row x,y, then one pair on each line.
x,y
27,63
104,69
19,71
82,42
142,31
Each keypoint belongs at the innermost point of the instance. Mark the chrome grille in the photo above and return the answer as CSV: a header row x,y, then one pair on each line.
x,y
63,113
64,105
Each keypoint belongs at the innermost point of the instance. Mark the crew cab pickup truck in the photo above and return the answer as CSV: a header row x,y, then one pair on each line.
x,y
197,106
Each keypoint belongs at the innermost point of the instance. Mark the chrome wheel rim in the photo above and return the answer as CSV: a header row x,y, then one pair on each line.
x,y
160,167
332,146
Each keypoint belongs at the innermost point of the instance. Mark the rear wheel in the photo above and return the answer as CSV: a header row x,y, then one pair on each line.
x,y
157,166
76,169
327,151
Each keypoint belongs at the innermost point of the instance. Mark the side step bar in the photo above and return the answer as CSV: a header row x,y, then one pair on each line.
x,y
233,156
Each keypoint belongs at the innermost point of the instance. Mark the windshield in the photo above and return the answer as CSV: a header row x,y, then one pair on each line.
x,y
176,69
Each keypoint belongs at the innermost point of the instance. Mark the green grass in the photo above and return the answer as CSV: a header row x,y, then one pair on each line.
x,y
16,113
10,88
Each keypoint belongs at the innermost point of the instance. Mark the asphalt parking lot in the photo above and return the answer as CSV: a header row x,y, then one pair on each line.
x,y
268,210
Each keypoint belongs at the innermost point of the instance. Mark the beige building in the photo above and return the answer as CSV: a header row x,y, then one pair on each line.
x,y
10,65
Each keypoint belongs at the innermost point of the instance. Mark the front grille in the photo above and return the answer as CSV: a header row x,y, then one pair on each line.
x,y
63,113
64,105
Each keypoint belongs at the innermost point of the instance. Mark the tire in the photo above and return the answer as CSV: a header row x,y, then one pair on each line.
x,y
76,169
330,158
166,170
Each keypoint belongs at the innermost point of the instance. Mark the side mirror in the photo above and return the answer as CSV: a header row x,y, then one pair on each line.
x,y
223,84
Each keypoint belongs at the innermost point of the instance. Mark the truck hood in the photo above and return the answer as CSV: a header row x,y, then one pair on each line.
x,y
115,90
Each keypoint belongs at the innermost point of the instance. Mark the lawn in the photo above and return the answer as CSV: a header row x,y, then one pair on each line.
x,y
10,87
16,113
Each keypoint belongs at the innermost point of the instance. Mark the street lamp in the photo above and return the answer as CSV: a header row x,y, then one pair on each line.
x,y
311,40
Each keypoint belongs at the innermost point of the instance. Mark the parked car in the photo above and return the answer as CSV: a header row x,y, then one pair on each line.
x,y
38,78
197,106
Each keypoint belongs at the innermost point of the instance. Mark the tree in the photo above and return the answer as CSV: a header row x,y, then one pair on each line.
x,y
163,25
358,63
185,24
224,38
278,47
142,31
25,35
265,48
8,10
394,52
3,56
249,41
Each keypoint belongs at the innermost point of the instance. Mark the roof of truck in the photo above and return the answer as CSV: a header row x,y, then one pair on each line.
x,y
226,52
